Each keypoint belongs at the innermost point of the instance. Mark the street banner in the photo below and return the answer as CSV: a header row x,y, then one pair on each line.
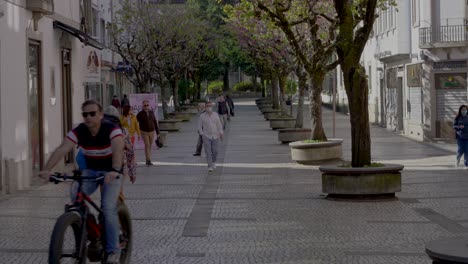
x,y
136,103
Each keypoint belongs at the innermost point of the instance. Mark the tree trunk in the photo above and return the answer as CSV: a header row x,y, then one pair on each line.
x,y
197,81
316,105
357,91
282,94
164,98
226,77
263,86
302,84
175,91
274,92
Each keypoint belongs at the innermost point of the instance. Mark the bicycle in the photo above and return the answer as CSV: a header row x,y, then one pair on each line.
x,y
88,234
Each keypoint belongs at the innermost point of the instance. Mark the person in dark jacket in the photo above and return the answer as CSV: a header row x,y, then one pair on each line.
x,y
223,110
230,104
124,101
148,125
460,124
115,102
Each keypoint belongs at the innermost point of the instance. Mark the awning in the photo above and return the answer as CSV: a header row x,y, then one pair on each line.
x,y
83,37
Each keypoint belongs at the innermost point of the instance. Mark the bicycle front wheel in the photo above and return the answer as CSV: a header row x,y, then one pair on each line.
x,y
67,244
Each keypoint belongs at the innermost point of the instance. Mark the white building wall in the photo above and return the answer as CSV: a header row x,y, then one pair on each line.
x,y
16,28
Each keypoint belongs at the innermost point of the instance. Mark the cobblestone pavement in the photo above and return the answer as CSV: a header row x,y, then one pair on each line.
x,y
259,207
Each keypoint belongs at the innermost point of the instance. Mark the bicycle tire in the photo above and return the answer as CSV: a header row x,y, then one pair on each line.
x,y
126,233
56,242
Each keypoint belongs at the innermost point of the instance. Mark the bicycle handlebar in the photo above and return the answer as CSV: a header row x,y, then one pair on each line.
x,y
61,177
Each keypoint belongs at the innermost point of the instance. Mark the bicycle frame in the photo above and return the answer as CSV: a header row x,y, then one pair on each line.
x,y
79,203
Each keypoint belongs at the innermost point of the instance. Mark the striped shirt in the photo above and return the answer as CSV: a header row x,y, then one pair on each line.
x,y
210,125
97,149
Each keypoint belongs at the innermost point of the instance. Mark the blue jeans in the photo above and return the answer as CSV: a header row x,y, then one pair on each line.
x,y
109,197
211,150
462,149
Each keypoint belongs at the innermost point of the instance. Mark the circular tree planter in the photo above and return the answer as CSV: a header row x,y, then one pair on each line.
x,y
282,122
169,125
316,152
448,250
267,109
288,135
361,183
271,114
264,106
184,116
190,109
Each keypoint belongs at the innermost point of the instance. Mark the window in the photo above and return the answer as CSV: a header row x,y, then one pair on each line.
x,y
94,23
103,32
415,12
109,36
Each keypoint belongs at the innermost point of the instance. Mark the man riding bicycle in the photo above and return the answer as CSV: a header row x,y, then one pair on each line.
x,y
102,143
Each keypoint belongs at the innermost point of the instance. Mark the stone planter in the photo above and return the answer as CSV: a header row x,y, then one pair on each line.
x,y
361,183
314,153
170,125
190,109
184,116
265,106
271,114
282,122
287,135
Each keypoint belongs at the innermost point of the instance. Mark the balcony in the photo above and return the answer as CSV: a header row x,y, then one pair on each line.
x,y
443,37
41,6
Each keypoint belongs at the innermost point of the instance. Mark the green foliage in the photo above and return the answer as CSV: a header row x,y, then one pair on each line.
x,y
291,87
215,87
186,89
312,141
245,86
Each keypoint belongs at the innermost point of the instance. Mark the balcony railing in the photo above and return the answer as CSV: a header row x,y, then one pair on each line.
x,y
444,36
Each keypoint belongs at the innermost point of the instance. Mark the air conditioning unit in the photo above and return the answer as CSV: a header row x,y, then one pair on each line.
x,y
41,6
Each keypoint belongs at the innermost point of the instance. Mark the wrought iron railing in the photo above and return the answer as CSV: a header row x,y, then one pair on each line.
x,y
444,34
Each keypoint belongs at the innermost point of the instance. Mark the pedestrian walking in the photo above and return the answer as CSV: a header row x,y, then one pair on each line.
x,y
230,103
129,163
148,125
129,121
201,110
211,129
115,102
223,111
461,133
124,101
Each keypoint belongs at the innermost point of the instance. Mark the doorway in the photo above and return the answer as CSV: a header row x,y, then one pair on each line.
x,y
35,106
400,104
67,106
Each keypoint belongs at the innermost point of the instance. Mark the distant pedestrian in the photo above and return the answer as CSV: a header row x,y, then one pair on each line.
x,y
201,110
211,129
461,133
223,111
129,121
115,102
124,101
230,103
148,125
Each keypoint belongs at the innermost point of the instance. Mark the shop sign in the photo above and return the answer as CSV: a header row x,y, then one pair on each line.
x,y
91,65
413,75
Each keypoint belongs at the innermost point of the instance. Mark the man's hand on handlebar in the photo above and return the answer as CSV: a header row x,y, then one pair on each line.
x,y
110,176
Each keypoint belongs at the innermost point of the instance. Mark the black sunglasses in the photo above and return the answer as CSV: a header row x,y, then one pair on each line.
x,y
85,114
145,105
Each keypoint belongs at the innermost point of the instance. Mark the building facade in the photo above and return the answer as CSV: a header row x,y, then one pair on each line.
x,y
53,56
417,68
